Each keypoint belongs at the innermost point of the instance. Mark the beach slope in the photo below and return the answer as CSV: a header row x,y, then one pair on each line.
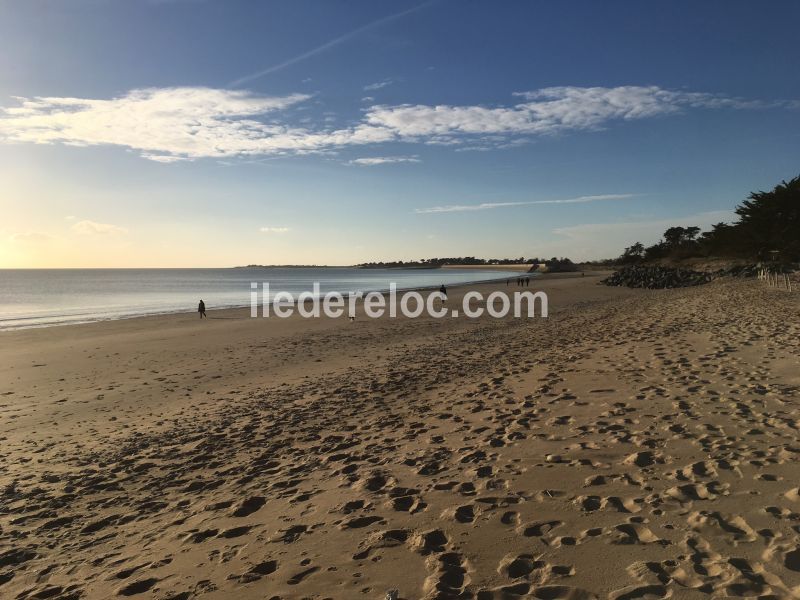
x,y
635,444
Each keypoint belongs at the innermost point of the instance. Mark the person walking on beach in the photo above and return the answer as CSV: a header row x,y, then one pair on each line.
x,y
443,291
201,308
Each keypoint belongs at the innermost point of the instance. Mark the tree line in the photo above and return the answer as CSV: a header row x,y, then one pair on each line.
x,y
554,263
768,228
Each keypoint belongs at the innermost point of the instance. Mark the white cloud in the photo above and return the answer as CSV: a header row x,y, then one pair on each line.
x,y
94,228
164,124
383,160
449,208
275,229
546,111
164,158
171,124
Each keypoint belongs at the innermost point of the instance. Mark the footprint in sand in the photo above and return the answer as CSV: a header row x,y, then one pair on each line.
x,y
539,529
430,541
449,579
633,533
299,577
256,572
137,587
643,592
249,506
359,522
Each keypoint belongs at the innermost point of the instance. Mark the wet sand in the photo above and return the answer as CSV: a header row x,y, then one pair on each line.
x,y
635,444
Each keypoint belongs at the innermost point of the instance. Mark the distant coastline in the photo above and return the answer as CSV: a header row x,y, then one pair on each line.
x,y
293,267
520,268
511,267
409,266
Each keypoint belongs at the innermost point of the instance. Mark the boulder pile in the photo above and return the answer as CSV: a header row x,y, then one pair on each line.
x,y
738,271
656,278
659,278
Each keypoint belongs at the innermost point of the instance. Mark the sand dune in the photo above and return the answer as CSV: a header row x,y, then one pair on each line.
x,y
636,444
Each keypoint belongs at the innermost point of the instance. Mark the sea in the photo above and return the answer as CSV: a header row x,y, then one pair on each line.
x,y
49,297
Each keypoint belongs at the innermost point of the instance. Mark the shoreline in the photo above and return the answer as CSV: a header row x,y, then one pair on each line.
x,y
238,306
225,307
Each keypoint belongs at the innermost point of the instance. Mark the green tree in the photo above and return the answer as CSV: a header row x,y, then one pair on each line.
x,y
771,221
633,254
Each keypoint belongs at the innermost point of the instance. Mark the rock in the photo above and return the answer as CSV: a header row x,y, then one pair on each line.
x,y
656,278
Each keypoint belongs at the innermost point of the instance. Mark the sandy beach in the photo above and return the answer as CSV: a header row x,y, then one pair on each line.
x,y
635,444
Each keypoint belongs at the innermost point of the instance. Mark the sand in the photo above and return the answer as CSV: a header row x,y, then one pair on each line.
x,y
636,444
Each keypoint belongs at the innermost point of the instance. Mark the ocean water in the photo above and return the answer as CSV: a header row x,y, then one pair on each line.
x,y
46,297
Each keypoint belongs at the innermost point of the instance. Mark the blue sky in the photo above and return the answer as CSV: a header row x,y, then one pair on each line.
x,y
210,133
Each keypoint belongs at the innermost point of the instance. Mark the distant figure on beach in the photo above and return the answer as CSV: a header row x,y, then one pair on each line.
x,y
443,291
527,282
201,308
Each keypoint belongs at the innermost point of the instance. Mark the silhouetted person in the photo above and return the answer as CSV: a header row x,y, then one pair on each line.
x,y
443,291
201,308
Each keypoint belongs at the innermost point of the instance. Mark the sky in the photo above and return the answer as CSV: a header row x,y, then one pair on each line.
x,y
192,133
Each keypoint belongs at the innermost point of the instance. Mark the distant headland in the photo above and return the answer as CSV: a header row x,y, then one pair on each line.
x,y
463,262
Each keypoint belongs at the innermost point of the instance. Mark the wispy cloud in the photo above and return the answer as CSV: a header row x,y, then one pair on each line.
x,y
450,208
383,160
378,85
172,124
165,158
94,228
275,229
328,45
